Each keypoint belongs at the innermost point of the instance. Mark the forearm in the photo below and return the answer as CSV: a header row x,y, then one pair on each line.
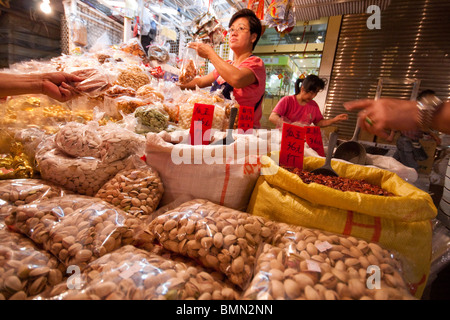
x,y
16,84
276,119
237,78
441,119
326,122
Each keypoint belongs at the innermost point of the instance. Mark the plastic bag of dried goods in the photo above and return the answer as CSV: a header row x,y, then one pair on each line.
x,y
126,105
149,94
118,91
5,209
188,66
132,77
159,53
303,263
137,190
130,273
24,191
79,140
134,47
26,269
79,32
80,175
30,139
96,81
118,143
221,238
187,109
151,118
76,229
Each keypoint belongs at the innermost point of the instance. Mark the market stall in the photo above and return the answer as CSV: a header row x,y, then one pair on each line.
x,y
113,184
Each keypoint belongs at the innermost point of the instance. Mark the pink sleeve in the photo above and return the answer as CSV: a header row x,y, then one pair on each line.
x,y
280,108
256,65
317,114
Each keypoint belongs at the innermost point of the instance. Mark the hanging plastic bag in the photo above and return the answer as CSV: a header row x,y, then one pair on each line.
x,y
188,66
208,29
79,32
280,15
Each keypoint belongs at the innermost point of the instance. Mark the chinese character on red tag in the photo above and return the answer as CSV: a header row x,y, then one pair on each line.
x,y
292,146
314,140
245,120
201,123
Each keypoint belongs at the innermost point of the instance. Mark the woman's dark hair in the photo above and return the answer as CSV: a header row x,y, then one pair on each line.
x,y
297,85
254,22
311,83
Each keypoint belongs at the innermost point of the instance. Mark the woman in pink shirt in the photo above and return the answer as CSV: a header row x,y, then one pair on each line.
x,y
300,108
245,76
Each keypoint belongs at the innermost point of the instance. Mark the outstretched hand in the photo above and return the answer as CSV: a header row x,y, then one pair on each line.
x,y
59,85
377,116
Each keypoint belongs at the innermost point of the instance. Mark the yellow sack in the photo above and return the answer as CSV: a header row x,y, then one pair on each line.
x,y
400,223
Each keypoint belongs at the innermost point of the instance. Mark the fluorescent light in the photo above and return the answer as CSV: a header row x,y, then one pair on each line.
x,y
45,6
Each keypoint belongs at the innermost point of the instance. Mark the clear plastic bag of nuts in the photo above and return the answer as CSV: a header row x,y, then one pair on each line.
x,y
24,191
220,238
309,264
76,229
130,273
118,143
79,140
26,270
136,190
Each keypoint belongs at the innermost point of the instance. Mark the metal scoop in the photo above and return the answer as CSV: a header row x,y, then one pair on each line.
x,y
229,138
352,150
326,169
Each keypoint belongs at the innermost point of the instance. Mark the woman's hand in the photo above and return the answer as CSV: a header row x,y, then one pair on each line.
x,y
341,117
203,50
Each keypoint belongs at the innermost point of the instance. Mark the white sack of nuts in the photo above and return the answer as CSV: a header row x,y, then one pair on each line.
x,y
187,170
130,273
221,238
26,270
311,264
83,175
23,191
136,190
76,229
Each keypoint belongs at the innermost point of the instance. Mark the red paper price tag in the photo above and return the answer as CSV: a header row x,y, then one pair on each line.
x,y
292,146
201,123
314,140
245,120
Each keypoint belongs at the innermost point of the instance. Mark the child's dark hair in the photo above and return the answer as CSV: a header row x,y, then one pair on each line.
x,y
254,22
311,83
